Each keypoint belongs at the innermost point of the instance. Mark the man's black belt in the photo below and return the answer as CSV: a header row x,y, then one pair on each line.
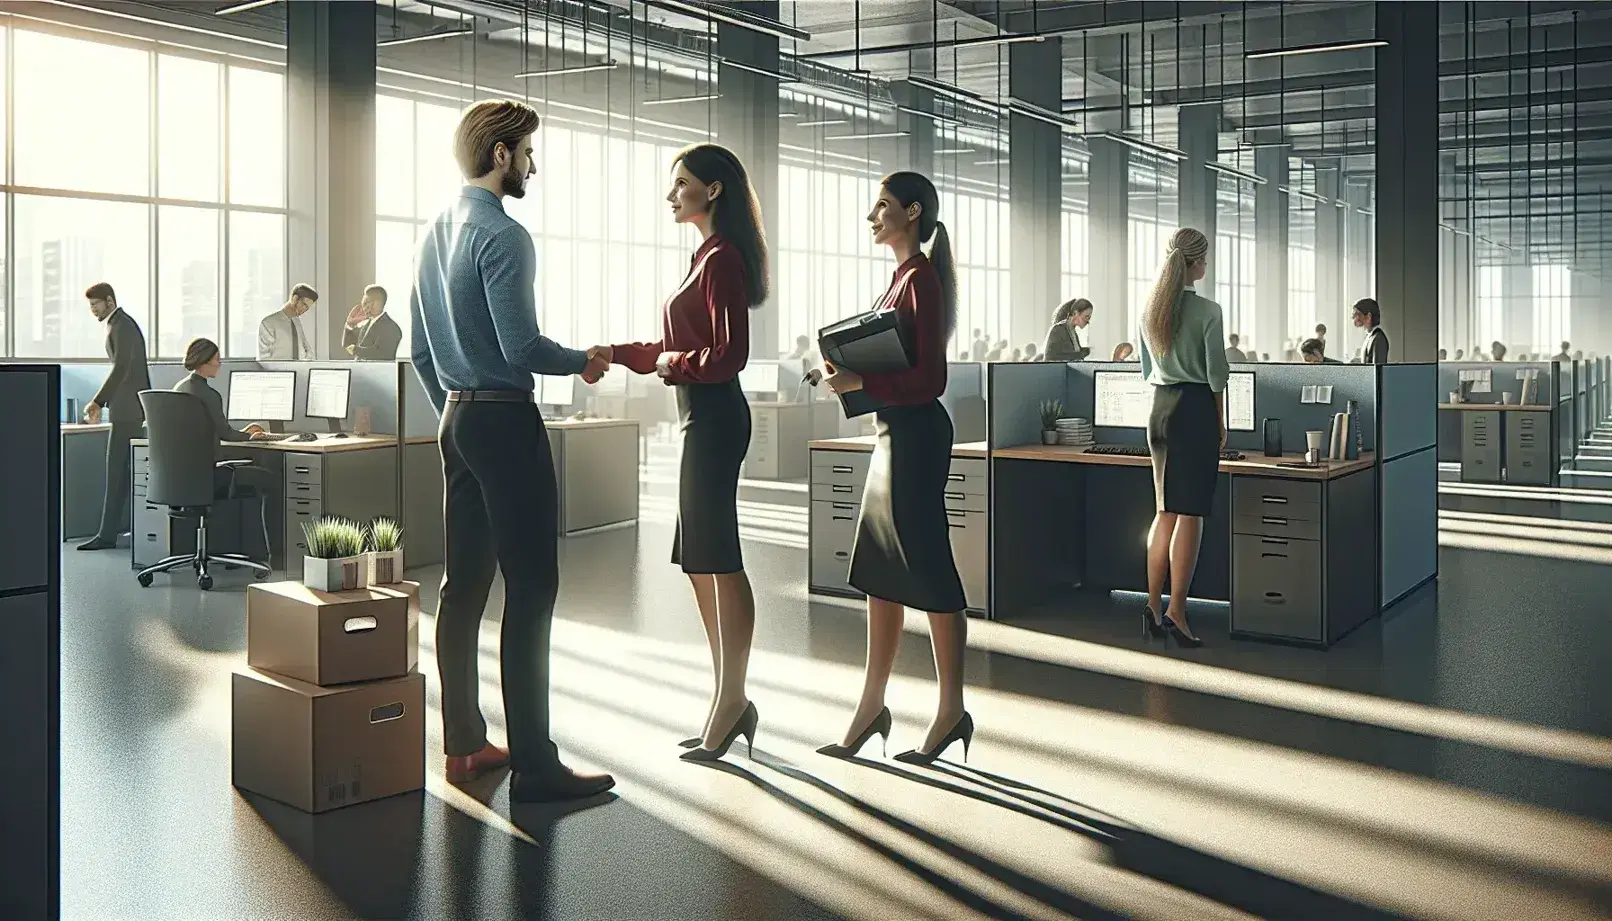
x,y
489,396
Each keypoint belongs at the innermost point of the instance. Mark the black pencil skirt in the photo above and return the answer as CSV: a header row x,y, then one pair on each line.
x,y
716,436
903,550
1183,437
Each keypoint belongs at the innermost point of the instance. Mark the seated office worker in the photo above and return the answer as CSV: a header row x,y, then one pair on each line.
x,y
371,334
704,344
902,557
1063,339
281,336
1183,360
202,361
1314,351
120,396
1373,348
476,345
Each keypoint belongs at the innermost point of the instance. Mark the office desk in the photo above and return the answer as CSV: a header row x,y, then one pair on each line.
x,y
83,477
1507,442
1293,550
353,477
839,468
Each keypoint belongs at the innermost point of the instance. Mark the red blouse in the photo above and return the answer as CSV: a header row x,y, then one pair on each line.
x,y
706,322
914,294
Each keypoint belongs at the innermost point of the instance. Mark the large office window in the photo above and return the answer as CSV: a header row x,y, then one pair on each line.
x,y
1491,299
1076,269
826,266
1301,306
979,234
1553,307
105,129
1148,239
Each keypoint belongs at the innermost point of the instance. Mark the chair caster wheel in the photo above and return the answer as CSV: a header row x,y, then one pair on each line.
x,y
259,575
204,582
144,579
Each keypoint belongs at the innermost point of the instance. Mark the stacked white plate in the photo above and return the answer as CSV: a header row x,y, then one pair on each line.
x,y
1074,432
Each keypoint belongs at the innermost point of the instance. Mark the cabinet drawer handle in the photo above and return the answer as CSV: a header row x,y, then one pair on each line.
x,y
841,488
841,468
1279,556
1275,598
1274,500
842,554
1269,520
956,511
302,469
951,524
957,477
955,495
843,518
842,506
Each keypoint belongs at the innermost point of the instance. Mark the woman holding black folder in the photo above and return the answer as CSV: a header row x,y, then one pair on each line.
x,y
903,556
704,344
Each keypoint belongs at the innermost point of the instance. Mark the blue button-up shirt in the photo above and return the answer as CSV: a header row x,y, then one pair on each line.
x,y
473,308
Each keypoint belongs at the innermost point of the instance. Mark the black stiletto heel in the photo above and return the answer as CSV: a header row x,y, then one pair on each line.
x,y
1153,625
745,726
963,731
1182,637
880,726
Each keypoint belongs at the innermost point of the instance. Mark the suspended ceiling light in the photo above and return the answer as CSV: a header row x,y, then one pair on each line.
x,y
823,123
1315,49
755,24
698,97
1454,229
564,71
1235,173
242,7
944,89
869,136
932,116
1366,211
953,151
1147,147
1031,110
759,71
429,36
997,162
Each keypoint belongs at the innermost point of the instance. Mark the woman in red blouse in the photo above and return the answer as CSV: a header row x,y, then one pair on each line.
x,y
903,555
704,344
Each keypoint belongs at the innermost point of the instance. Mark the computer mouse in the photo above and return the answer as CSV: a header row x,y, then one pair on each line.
x,y
339,435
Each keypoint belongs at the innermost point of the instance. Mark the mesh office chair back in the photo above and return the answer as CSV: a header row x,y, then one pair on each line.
x,y
182,447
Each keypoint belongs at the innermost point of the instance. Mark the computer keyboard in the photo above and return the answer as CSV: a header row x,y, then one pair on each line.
x,y
304,436
1142,451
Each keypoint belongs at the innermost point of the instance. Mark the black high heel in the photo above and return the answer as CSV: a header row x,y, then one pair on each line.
x,y
963,731
744,726
1153,624
1185,639
880,726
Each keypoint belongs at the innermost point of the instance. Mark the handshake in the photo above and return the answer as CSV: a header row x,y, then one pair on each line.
x,y
598,362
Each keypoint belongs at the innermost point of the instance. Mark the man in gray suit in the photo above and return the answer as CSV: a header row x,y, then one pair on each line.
x,y
371,335
120,396
280,337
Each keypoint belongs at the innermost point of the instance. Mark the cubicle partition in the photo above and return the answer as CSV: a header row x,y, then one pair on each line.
x,y
965,400
1495,430
1407,435
373,391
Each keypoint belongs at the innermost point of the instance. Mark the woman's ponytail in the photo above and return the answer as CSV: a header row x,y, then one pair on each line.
x,y
940,257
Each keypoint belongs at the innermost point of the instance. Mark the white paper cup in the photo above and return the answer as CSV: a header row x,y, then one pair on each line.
x,y
1315,440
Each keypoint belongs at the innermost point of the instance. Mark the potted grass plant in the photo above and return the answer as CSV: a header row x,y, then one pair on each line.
x,y
1051,412
335,560
385,552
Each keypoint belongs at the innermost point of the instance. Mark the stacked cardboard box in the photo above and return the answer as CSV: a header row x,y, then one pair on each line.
x,y
329,710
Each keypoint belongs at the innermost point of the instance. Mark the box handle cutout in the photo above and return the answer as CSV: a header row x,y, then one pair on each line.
x,y
387,713
359,624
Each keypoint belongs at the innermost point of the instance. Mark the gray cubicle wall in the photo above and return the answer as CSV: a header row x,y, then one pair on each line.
x,y
1503,379
965,400
374,387
1407,490
30,656
1278,391
1017,390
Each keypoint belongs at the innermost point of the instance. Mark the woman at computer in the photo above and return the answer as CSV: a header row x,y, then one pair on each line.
x,y
704,344
1183,358
1063,339
902,557
202,361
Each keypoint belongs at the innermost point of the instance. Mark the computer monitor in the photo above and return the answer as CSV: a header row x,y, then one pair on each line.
x,y
262,396
1124,400
1240,401
329,393
763,377
556,390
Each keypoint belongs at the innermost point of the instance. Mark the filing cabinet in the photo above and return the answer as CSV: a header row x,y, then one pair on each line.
x,y
779,433
361,485
1528,448
1481,445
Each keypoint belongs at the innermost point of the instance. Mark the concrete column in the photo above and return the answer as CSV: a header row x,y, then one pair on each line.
x,y
1517,309
330,157
746,122
1108,243
1269,330
1330,306
1407,177
1198,129
1035,190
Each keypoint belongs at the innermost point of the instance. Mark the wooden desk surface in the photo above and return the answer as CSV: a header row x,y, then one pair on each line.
x,y
78,428
1252,464
325,445
582,425
1498,407
864,443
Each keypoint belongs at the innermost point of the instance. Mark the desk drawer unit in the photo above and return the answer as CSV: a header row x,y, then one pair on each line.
x,y
304,468
152,530
1528,451
833,531
971,536
967,476
1262,496
1481,443
1278,586
840,467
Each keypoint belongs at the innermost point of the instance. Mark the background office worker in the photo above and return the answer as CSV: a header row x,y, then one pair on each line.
x,y
704,344
1373,348
1182,358
281,336
202,361
120,397
902,557
371,334
476,345
1063,340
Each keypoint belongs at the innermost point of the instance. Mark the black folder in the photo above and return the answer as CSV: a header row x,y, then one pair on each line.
x,y
868,343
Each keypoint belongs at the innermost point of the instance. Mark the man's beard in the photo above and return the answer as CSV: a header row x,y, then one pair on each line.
x,y
514,183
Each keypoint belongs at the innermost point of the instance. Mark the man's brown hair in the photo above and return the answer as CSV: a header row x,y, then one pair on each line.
x,y
306,291
100,291
484,126
378,291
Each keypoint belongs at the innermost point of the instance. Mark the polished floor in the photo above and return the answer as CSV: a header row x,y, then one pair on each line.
x,y
1450,761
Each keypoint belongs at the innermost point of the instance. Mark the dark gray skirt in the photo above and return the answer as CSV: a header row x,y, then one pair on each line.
x,y
716,436
903,550
1183,437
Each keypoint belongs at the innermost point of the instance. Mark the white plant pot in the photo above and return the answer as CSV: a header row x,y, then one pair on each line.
x,y
1049,438
385,566
341,574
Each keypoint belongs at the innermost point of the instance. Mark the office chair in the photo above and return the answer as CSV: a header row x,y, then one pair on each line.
x,y
182,451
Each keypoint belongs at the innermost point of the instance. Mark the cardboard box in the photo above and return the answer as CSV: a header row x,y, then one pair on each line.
x,y
330,638
323,748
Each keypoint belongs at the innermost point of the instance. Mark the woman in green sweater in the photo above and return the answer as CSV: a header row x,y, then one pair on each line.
x,y
1182,357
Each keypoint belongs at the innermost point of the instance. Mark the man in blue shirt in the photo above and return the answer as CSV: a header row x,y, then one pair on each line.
x,y
476,346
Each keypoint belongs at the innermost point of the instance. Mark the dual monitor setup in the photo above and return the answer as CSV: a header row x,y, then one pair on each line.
x,y
1125,400
270,396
